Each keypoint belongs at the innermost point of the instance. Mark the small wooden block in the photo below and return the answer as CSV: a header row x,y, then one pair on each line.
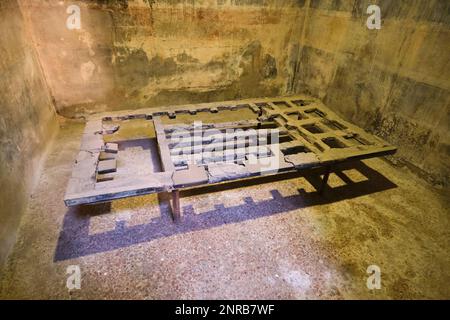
x,y
112,147
107,166
106,156
104,177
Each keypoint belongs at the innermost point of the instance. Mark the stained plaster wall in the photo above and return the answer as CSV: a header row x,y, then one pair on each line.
x,y
134,54
394,82
27,120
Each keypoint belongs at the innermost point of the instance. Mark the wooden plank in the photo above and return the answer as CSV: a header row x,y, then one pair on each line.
x,y
194,175
107,166
106,156
222,155
205,126
121,188
112,147
198,145
164,152
218,138
219,172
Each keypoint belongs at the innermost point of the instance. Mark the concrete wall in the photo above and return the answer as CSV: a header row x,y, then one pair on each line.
x,y
27,120
133,54
394,82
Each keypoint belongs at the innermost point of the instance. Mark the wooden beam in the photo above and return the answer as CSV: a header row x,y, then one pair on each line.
x,y
176,210
163,147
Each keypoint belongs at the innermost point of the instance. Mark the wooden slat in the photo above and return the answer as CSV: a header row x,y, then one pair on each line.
x,y
163,147
222,155
205,126
183,142
116,189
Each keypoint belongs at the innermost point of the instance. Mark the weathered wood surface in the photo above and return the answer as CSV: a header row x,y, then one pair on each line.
x,y
316,137
163,146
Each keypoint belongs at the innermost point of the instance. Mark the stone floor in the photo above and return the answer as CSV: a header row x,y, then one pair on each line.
x,y
276,239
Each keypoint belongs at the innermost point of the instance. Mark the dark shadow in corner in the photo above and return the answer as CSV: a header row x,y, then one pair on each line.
x,y
75,241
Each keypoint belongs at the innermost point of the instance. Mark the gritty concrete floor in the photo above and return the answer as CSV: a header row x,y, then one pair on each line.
x,y
277,239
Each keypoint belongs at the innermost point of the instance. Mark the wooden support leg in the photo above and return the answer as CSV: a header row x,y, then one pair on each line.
x,y
176,212
324,180
259,122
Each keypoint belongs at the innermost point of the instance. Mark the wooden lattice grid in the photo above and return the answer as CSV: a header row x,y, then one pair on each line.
x,y
309,135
